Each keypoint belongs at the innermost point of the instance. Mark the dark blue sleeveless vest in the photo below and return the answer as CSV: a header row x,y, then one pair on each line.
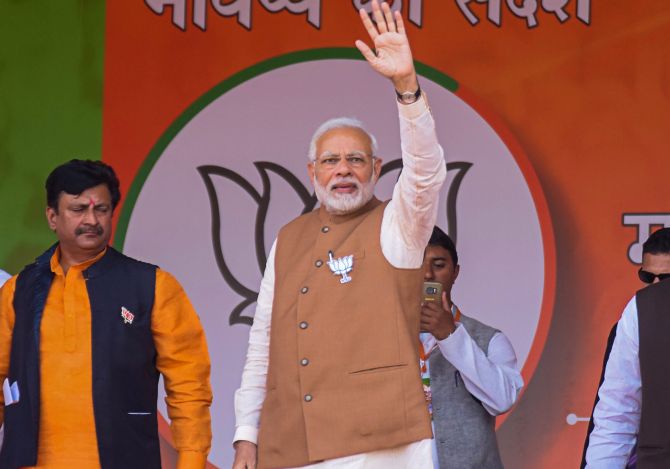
x,y
125,378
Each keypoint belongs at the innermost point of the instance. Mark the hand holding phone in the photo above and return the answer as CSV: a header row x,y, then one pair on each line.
x,y
434,318
432,292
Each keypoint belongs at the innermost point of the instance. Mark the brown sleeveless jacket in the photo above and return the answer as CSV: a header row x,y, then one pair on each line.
x,y
653,312
343,376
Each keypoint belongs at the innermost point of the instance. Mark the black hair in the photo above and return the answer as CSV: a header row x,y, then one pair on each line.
x,y
442,239
658,242
75,176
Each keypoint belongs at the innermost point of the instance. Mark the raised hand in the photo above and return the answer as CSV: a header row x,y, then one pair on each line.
x,y
437,319
392,57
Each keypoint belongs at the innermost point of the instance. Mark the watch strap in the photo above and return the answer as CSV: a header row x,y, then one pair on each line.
x,y
407,97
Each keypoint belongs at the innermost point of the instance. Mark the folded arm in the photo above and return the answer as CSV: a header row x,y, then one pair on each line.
x,y
493,377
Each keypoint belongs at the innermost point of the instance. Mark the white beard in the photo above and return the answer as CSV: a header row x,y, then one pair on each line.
x,y
341,204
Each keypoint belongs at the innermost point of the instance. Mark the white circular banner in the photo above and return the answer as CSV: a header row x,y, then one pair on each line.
x,y
213,195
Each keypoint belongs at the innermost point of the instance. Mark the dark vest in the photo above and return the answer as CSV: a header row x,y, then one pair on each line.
x,y
125,378
464,430
653,312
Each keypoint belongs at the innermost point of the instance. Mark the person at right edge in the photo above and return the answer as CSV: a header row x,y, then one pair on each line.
x,y
469,370
633,405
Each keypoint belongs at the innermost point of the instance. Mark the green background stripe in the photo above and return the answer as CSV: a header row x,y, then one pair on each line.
x,y
51,78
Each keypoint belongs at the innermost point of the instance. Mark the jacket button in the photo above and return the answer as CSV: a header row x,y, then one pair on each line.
x,y
303,325
325,229
304,361
308,398
304,290
318,263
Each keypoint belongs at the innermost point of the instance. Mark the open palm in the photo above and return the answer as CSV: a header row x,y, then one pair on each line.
x,y
392,57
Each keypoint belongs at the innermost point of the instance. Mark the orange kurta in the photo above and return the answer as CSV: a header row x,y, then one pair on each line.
x,y
67,436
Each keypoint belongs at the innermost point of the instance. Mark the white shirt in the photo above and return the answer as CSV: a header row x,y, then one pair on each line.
x,y
407,224
4,276
617,415
494,379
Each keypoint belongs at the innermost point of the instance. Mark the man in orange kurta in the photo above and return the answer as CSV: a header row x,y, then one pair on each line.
x,y
72,431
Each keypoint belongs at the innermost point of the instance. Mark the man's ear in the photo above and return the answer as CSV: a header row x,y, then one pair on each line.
x,y
377,167
457,270
51,215
310,171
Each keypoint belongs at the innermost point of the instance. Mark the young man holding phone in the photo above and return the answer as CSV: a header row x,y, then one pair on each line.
x,y
469,369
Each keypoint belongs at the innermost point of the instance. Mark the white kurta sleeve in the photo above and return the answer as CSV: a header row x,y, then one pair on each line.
x,y
251,394
616,417
494,379
410,215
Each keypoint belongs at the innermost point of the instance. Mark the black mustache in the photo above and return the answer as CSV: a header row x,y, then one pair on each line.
x,y
93,229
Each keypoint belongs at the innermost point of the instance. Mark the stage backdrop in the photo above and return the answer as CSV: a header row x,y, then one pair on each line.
x,y
551,113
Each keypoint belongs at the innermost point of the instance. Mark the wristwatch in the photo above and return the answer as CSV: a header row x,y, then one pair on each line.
x,y
408,97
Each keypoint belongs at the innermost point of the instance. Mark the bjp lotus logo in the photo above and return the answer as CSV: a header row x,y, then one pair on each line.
x,y
340,266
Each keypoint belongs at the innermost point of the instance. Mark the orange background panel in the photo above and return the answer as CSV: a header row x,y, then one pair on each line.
x,y
588,104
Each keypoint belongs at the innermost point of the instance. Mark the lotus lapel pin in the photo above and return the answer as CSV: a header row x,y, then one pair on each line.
x,y
341,266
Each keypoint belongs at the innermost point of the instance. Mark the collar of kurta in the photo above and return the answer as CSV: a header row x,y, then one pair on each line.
x,y
56,268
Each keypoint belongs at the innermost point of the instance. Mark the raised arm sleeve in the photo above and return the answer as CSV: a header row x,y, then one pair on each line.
x,y
410,215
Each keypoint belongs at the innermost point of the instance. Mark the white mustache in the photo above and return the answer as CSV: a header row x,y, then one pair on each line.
x,y
344,180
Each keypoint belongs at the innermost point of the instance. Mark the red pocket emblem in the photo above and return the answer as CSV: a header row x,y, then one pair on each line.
x,y
127,316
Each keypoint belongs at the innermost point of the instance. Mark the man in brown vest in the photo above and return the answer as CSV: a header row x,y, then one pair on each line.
x,y
331,377
633,397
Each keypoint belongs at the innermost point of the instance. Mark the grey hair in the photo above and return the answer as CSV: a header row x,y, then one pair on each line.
x,y
339,123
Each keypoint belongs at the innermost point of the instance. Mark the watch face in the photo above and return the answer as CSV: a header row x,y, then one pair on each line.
x,y
408,97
